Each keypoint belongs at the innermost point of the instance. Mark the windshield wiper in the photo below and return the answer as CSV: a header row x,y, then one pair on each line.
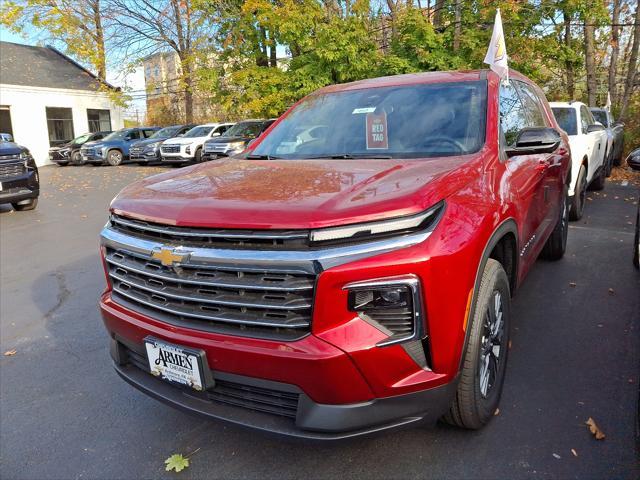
x,y
261,157
348,156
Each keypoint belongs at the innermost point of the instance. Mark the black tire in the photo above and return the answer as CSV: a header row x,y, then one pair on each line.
x,y
557,242
579,195
25,205
609,163
599,181
76,158
478,395
142,164
114,157
198,156
63,164
636,241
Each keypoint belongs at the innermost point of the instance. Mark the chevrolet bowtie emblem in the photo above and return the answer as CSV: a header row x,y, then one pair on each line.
x,y
169,256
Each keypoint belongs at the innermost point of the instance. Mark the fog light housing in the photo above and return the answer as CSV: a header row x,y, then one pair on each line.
x,y
393,305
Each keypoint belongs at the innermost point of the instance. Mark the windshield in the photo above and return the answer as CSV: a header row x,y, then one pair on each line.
x,y
413,121
119,135
201,131
601,116
567,119
244,129
166,132
81,139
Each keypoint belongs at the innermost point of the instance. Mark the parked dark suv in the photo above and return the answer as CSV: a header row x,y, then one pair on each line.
x,y
19,181
68,153
235,139
147,151
114,148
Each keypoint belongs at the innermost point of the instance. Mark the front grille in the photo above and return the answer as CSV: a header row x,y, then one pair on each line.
x,y
216,147
11,169
170,148
87,151
235,300
267,400
213,238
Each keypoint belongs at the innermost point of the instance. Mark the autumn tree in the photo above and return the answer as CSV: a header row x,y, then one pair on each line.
x,y
80,26
145,27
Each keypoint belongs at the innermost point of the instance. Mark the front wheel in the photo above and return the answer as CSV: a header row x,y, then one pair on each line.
x,y
114,158
76,158
599,181
198,155
557,242
579,195
485,357
25,205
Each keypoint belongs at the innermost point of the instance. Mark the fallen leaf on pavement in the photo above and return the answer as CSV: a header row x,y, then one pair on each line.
x,y
575,454
572,284
497,412
593,428
176,462
611,292
10,353
555,455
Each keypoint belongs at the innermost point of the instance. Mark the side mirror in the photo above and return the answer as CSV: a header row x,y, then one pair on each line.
x,y
215,134
633,160
531,141
618,124
181,135
595,127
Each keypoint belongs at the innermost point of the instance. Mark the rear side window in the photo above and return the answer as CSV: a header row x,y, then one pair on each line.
x,y
600,116
148,133
532,103
567,119
513,115
134,135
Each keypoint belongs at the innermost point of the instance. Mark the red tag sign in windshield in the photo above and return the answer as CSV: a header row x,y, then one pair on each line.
x,y
377,138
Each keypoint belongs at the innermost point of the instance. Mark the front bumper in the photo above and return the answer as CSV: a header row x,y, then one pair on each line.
x,y
176,158
144,157
23,187
303,417
92,158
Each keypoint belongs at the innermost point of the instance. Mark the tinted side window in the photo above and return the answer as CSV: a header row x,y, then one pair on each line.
x,y
184,130
513,116
266,125
533,105
148,133
134,135
222,128
98,136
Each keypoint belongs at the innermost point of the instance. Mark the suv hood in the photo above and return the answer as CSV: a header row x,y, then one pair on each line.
x,y
142,143
183,140
289,194
224,139
10,148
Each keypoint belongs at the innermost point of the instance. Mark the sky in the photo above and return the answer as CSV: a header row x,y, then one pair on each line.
x,y
131,81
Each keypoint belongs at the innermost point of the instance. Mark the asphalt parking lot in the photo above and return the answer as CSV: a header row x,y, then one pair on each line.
x,y
64,413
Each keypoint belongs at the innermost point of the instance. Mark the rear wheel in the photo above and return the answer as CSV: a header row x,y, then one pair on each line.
x,y
114,158
557,242
579,195
29,204
485,357
599,181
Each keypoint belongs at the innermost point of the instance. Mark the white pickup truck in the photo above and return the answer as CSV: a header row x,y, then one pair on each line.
x,y
588,142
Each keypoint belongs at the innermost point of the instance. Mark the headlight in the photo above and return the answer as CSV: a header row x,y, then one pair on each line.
x,y
64,153
24,155
152,147
236,145
397,225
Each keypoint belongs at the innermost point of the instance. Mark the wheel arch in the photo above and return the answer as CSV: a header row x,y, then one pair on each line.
x,y
507,231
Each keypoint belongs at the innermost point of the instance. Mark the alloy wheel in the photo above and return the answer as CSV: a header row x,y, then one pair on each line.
x,y
491,347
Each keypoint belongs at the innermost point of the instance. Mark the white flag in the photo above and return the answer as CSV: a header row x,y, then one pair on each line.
x,y
496,55
608,105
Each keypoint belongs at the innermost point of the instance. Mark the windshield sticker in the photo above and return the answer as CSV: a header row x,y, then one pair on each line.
x,y
363,110
377,138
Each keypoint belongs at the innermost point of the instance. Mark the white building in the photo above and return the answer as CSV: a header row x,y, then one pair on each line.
x,y
47,99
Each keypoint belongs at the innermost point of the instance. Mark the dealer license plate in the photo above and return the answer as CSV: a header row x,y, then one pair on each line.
x,y
174,363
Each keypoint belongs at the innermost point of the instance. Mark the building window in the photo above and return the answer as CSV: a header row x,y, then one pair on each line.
x,y
99,120
5,120
60,125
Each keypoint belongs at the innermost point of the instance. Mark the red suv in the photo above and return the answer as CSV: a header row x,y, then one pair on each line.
x,y
352,271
